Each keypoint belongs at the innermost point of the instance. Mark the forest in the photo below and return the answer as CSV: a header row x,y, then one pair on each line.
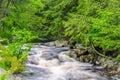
x,y
95,24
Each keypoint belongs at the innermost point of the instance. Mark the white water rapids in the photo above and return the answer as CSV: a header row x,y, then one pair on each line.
x,y
52,63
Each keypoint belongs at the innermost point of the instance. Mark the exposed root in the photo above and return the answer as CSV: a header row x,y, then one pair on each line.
x,y
100,54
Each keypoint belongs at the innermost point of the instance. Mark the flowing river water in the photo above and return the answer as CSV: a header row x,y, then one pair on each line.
x,y
53,63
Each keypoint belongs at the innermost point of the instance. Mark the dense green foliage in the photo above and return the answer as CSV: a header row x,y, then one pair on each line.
x,y
19,19
80,19
85,21
88,22
95,22
9,60
5,76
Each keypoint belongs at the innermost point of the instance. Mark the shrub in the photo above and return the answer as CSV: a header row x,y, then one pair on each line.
x,y
22,35
10,61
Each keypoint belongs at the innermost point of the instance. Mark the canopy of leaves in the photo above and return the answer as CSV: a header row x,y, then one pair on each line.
x,y
96,22
85,21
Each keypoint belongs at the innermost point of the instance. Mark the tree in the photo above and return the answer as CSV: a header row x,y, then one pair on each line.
x,y
95,22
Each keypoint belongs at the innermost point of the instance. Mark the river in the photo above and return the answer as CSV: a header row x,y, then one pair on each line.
x,y
53,63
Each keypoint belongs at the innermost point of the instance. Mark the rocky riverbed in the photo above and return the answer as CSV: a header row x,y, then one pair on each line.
x,y
53,63
57,61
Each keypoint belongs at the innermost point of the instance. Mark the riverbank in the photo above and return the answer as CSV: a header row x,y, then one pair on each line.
x,y
47,62
58,61
111,68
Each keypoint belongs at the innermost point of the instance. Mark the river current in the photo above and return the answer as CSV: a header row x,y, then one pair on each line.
x,y
53,63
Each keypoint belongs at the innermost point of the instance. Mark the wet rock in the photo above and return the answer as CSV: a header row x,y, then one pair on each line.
x,y
81,52
109,63
32,53
33,59
98,69
58,43
78,46
50,44
61,43
70,54
65,58
86,58
48,55
53,63
118,70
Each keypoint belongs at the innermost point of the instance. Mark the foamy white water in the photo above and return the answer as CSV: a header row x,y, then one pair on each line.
x,y
51,63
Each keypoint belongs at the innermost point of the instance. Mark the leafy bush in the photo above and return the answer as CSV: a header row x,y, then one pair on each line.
x,y
10,61
22,36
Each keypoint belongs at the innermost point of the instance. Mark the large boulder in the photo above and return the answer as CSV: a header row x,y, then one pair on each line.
x,y
58,43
